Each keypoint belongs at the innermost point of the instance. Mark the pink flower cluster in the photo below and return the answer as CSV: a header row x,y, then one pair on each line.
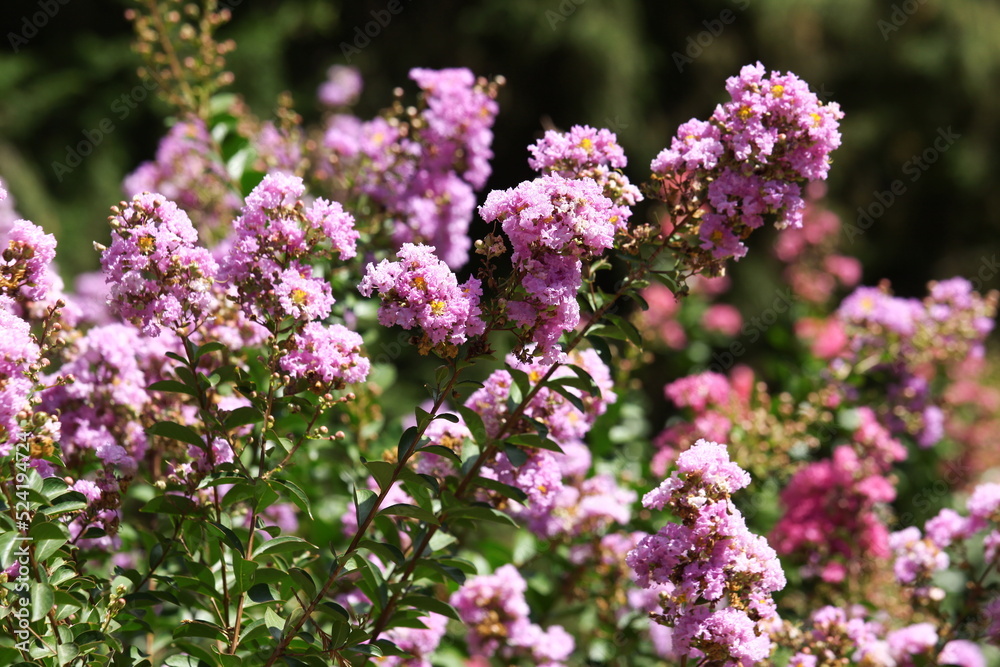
x,y
275,240
25,263
912,341
754,154
830,505
715,577
552,223
187,171
586,153
839,636
326,357
494,609
157,274
561,499
18,351
422,168
419,291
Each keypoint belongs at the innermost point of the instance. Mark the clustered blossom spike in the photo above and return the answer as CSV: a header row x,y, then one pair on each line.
x,y
586,153
419,291
276,239
561,499
908,339
18,351
831,506
494,609
186,172
325,357
25,263
158,275
552,223
749,161
716,577
844,636
421,167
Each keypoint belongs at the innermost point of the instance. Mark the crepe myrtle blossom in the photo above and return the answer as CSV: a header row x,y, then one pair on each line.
x,y
419,291
25,263
275,241
750,160
552,223
586,153
325,357
18,352
157,274
709,558
494,609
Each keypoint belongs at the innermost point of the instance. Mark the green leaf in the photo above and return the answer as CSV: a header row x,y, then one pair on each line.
x,y
407,443
505,490
626,327
517,457
474,422
242,416
208,348
441,450
170,504
298,495
388,553
303,581
283,544
382,471
172,386
42,599
243,571
364,503
48,537
532,440
428,603
228,537
275,624
412,512
176,432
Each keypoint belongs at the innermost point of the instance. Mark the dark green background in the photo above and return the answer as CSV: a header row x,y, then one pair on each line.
x,y
602,62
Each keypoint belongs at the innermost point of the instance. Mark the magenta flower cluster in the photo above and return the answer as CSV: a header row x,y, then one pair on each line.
x,y
496,613
275,240
419,291
18,351
422,171
716,577
586,153
552,223
158,276
831,506
753,156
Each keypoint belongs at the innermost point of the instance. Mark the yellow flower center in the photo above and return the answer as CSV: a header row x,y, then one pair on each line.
x,y
744,112
586,144
817,119
420,283
716,236
534,376
778,90
437,307
299,296
147,244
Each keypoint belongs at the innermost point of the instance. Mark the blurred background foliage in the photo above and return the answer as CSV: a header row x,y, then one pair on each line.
x,y
901,70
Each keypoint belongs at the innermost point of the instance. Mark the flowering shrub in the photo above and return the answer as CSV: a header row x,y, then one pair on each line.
x,y
302,418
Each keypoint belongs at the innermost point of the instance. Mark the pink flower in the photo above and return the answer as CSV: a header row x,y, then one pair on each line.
x,y
723,318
